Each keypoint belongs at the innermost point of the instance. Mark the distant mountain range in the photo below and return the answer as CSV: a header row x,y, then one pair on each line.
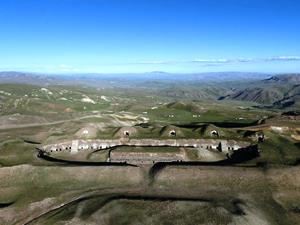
x,y
278,91
284,79
31,78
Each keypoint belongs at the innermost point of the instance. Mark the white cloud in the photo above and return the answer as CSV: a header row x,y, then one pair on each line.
x,y
244,60
220,61
202,62
284,58
211,61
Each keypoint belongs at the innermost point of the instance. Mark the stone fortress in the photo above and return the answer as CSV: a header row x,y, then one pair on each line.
x,y
203,146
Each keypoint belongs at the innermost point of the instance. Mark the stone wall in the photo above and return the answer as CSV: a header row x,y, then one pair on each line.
x,y
145,157
75,146
224,147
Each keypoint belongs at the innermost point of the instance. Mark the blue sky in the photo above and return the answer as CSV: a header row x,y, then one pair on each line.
x,y
114,36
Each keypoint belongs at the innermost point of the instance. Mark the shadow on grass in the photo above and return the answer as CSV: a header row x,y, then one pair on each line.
x,y
99,201
238,156
4,205
45,156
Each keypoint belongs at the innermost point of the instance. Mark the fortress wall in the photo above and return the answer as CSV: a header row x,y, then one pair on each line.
x,y
64,146
145,158
75,146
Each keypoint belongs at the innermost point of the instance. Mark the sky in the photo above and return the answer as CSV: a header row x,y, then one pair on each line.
x,y
134,36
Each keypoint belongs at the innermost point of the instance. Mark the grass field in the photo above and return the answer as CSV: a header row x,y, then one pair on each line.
x,y
262,191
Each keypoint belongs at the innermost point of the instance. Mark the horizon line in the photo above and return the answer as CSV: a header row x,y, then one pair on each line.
x,y
147,72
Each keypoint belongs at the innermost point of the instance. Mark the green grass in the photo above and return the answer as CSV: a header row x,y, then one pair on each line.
x,y
279,149
168,213
192,154
142,212
17,152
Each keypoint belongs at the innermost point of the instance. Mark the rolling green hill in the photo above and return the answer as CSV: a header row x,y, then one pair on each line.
x,y
278,91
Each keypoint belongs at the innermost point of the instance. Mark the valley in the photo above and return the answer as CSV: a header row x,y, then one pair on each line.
x,y
83,154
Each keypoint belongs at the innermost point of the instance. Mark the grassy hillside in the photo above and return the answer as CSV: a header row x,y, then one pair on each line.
x,y
280,91
263,190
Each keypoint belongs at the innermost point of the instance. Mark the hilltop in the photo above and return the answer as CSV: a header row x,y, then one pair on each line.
x,y
279,91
